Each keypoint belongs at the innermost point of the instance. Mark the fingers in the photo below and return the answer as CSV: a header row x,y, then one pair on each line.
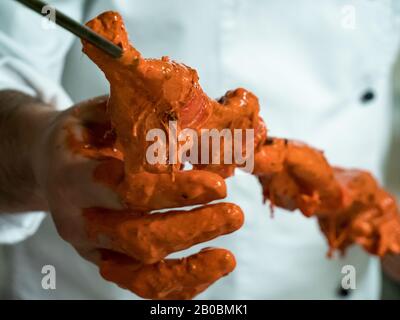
x,y
168,279
86,191
149,238
147,191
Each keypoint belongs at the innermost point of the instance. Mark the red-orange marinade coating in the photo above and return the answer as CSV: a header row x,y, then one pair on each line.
x,y
350,205
171,278
151,237
147,94
293,174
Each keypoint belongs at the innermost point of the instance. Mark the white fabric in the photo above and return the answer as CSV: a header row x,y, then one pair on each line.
x,y
307,68
15,228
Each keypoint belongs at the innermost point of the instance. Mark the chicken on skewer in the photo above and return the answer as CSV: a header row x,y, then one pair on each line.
x,y
149,93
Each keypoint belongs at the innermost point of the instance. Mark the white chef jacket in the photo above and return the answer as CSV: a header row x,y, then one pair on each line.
x,y
309,62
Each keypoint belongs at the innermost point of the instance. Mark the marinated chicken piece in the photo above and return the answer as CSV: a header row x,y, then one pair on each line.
x,y
149,93
349,204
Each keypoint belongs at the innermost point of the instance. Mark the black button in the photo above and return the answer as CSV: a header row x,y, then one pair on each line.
x,y
367,96
342,292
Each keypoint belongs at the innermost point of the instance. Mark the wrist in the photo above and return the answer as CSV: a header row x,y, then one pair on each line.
x,y
23,120
41,118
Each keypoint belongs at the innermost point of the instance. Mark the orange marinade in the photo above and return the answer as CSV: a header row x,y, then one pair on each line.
x,y
149,93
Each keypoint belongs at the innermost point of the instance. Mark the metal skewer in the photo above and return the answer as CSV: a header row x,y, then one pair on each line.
x,y
76,28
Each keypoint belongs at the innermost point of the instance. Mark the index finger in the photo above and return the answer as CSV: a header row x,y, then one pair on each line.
x,y
149,238
146,191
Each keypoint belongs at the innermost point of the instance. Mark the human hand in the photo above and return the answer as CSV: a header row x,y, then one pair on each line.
x,y
80,170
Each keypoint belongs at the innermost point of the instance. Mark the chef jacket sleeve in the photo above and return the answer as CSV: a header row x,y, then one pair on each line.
x,y
32,55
